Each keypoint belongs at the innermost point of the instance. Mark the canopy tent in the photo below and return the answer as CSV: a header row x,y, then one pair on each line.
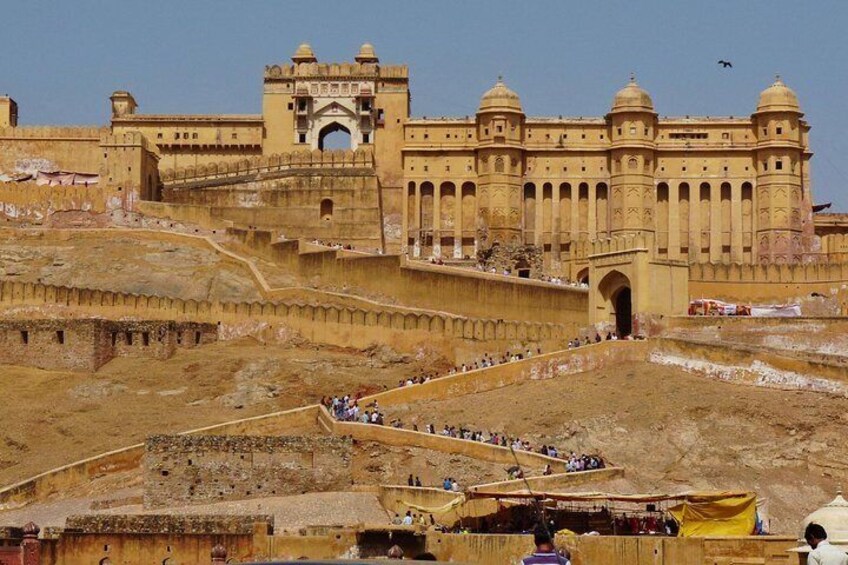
x,y
700,514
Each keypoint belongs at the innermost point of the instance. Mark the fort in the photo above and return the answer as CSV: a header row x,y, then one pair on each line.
x,y
191,304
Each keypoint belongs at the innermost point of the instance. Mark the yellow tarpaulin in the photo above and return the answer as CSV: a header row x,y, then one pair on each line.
x,y
734,516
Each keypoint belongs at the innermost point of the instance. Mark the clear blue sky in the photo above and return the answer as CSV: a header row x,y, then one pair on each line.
x,y
61,60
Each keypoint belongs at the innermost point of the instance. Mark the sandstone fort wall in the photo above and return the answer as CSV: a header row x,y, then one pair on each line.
x,y
67,148
87,344
427,286
193,469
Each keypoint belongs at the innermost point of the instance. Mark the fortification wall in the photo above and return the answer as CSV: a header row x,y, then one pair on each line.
x,y
193,469
330,195
427,286
751,366
766,283
632,550
814,339
29,202
87,344
335,325
68,148
73,547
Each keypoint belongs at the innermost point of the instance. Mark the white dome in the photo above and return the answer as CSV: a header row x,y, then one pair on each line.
x,y
833,517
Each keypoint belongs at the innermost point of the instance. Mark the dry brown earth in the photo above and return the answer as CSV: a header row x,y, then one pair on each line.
x,y
673,431
126,264
59,417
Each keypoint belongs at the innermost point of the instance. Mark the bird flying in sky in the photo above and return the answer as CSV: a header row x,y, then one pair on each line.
x,y
725,64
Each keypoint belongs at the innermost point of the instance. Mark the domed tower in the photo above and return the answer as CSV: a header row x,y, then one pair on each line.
x,y
500,166
304,54
366,54
783,204
632,123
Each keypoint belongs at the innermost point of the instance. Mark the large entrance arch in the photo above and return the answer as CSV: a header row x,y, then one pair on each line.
x,y
334,136
623,311
616,295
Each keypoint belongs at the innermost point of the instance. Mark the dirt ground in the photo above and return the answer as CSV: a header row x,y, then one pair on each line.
x,y
60,417
673,431
127,264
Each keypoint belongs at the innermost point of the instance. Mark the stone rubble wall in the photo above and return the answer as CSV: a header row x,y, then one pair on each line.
x,y
193,469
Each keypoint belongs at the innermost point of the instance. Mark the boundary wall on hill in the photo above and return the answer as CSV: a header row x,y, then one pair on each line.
x,y
766,283
433,287
335,325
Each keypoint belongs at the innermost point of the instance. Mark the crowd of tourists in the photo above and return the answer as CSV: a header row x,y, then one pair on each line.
x,y
347,409
485,361
344,246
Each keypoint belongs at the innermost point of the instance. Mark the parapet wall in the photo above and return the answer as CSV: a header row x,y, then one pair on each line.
x,y
87,344
47,147
446,289
765,283
193,469
167,523
330,324
266,164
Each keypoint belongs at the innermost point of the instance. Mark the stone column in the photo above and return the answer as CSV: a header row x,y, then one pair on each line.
x,y
219,554
674,221
736,254
556,223
538,238
715,223
592,224
416,221
437,219
31,547
457,222
575,212
695,223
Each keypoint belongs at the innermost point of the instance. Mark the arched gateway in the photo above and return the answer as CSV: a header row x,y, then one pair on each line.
x,y
626,280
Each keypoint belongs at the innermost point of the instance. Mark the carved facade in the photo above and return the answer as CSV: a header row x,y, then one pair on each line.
x,y
728,190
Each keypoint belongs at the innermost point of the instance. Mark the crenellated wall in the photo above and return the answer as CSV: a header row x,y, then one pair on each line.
x,y
434,287
69,148
766,283
303,159
87,344
322,323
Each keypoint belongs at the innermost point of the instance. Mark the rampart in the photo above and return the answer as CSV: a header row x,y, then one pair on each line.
x,y
335,325
765,283
87,344
49,147
167,523
822,340
258,167
632,550
447,289
193,469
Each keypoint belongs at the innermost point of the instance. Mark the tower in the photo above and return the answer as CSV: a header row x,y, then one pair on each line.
x,y
8,112
632,122
781,202
500,166
123,104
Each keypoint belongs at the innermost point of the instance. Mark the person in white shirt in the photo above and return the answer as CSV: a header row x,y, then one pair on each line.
x,y
823,553
407,520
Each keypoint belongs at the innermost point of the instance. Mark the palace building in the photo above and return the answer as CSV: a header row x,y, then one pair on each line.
x,y
539,195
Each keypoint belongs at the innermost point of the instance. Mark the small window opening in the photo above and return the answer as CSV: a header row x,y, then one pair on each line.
x,y
60,337
197,338
145,338
25,337
128,337
301,138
